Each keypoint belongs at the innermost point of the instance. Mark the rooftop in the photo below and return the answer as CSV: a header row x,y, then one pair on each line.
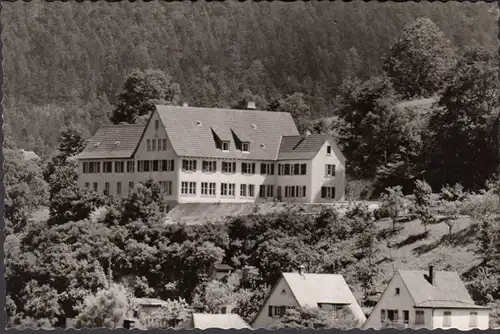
x,y
222,321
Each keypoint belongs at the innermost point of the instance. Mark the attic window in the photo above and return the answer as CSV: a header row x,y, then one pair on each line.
x,y
283,291
157,124
253,126
198,123
245,147
328,150
225,145
397,291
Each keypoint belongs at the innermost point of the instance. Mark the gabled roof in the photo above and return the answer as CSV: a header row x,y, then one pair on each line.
x,y
310,290
306,147
150,302
191,131
222,321
29,155
448,290
113,141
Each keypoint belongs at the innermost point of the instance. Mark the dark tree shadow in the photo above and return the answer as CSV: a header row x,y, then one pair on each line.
x,y
388,232
462,237
412,239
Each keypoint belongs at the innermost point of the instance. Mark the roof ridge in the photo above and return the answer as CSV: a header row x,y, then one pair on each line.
x,y
224,109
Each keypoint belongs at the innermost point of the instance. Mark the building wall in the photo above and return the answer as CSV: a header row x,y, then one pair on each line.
x,y
319,178
460,318
294,180
277,298
389,300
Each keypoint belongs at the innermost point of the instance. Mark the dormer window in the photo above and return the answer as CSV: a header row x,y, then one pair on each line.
x,y
328,150
157,124
225,145
245,147
397,291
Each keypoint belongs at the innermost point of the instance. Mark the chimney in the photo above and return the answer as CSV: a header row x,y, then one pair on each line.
x,y
185,105
431,276
251,105
301,269
308,133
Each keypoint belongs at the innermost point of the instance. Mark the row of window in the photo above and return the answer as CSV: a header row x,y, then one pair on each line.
x,y
167,187
156,144
248,168
94,167
393,316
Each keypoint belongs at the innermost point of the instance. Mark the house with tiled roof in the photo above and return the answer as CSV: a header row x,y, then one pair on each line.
x,y
210,155
219,321
427,299
329,292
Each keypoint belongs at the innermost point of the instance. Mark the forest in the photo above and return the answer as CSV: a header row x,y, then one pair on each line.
x,y
73,66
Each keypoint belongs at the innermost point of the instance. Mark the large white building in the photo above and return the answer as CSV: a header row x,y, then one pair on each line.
x,y
205,155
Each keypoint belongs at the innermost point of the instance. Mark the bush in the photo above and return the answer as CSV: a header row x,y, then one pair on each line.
x,y
380,213
359,190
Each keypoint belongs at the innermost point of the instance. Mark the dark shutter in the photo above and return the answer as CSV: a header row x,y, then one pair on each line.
x,y
272,169
270,311
323,192
253,168
303,169
263,169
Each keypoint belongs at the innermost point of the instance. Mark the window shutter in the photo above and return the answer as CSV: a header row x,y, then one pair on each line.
x,y
270,311
326,169
272,169
253,168
323,192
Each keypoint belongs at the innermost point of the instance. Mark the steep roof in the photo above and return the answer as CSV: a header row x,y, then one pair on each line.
x,y
222,321
306,147
448,290
113,141
29,155
195,131
311,289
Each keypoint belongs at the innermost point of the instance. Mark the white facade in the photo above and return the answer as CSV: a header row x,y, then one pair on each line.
x,y
205,180
397,309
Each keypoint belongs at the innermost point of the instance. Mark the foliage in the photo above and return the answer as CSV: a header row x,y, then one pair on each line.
x,y
71,142
419,59
315,318
169,315
25,190
423,203
393,201
106,308
141,90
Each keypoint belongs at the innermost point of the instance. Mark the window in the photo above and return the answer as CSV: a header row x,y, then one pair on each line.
x,y
95,167
209,166
329,170
267,169
382,315
284,169
95,186
130,166
208,188
328,150
160,148
85,167
155,165
473,320
148,145
189,165
228,167
167,165
118,188
106,188
166,186
188,188
87,185
304,191
248,168
243,190
303,169
406,316
296,169
130,186
397,291
153,145
227,189
419,318
107,167
446,319
328,192
119,166
262,190
251,190
143,165
270,191
225,145
157,124
245,147
277,311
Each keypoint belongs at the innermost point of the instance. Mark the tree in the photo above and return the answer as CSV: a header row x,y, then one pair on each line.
x,y
423,203
393,201
449,210
25,190
141,91
171,314
145,202
296,105
106,308
71,142
419,60
462,145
